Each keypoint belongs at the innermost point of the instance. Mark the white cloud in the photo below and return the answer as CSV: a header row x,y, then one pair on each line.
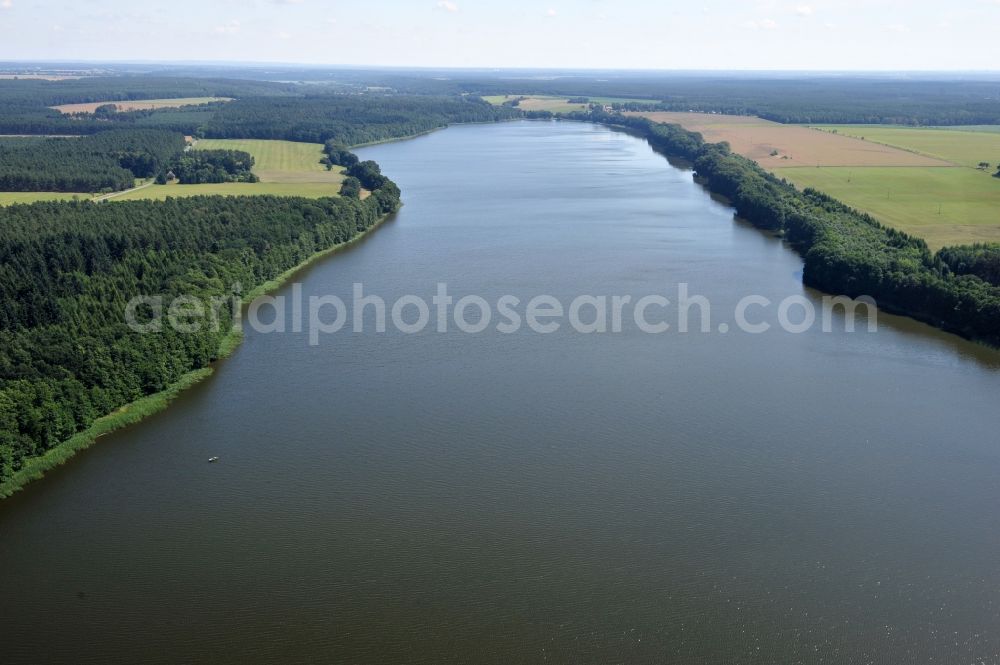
x,y
230,28
287,2
897,27
805,10
550,13
6,4
283,35
447,5
763,24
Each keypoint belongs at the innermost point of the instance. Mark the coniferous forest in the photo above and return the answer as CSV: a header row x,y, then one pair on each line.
x,y
67,271
107,161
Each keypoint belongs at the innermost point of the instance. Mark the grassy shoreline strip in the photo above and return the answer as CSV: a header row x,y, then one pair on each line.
x,y
132,413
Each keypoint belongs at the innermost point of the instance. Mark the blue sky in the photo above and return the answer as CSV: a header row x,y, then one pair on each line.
x,y
646,34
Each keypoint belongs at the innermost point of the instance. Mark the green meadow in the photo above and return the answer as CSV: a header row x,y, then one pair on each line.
x,y
942,205
285,168
8,198
160,192
958,146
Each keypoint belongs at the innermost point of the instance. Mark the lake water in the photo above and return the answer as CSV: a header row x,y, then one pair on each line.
x,y
525,498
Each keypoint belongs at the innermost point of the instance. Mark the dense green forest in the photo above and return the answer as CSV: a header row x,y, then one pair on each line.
x,y
343,107
347,119
261,110
981,260
24,103
123,88
107,161
798,99
67,271
202,166
916,99
845,252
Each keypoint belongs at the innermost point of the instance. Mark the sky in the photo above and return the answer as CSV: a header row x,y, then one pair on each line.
x,y
586,34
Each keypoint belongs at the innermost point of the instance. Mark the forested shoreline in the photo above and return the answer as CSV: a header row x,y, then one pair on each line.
x,y
845,252
67,271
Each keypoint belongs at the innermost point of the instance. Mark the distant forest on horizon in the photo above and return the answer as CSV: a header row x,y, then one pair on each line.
x,y
913,99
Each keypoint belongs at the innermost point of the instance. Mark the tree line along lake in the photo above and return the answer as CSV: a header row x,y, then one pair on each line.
x,y
525,497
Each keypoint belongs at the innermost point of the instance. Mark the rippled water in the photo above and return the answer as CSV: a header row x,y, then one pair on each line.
x,y
453,498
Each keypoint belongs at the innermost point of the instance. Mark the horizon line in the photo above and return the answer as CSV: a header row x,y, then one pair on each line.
x,y
476,68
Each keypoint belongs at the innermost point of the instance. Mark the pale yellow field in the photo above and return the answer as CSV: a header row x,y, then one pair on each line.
x,y
140,104
796,146
916,180
559,104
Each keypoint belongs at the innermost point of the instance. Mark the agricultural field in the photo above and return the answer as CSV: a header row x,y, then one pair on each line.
x,y
776,146
280,161
140,104
560,104
9,198
285,168
989,129
964,148
161,192
922,181
944,206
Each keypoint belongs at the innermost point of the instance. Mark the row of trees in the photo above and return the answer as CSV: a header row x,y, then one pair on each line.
x,y
107,161
67,271
845,251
